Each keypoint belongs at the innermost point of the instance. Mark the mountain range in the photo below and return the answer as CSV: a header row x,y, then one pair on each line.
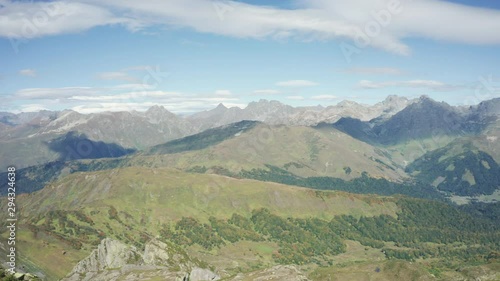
x,y
30,134
404,189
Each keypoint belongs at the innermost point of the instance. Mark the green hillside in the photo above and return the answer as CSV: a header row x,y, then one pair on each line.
x,y
244,146
216,219
204,139
459,169
303,151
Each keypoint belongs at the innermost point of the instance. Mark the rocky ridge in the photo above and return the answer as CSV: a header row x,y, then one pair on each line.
x,y
114,260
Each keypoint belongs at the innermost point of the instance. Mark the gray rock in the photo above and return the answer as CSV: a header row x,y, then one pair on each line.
x,y
109,254
156,253
114,260
19,276
200,274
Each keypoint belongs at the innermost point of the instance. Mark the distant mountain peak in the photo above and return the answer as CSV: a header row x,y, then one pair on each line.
x,y
156,109
425,97
347,103
263,103
221,106
158,113
426,101
489,107
394,99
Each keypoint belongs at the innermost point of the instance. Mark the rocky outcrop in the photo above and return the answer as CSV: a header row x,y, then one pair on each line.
x,y
156,253
114,260
22,276
200,274
109,254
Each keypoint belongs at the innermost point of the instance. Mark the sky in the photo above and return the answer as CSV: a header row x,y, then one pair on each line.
x,y
191,55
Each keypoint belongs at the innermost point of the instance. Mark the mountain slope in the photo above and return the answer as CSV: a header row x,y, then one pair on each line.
x,y
320,158
239,148
423,119
204,139
233,226
23,136
128,203
32,139
458,168
303,151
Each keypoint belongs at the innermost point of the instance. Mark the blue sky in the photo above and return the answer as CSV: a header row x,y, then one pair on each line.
x,y
190,55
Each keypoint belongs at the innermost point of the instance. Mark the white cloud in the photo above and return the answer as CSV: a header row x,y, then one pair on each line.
x,y
266,92
26,20
295,97
324,97
133,87
119,98
187,105
112,106
223,93
54,93
374,70
139,68
28,72
67,92
296,83
311,20
129,96
130,74
119,76
32,108
429,84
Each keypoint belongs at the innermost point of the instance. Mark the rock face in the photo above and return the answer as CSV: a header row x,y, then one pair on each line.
x,y
200,274
109,254
113,260
156,253
25,276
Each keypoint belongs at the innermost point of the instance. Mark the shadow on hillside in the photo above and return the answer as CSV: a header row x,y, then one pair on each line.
x,y
74,146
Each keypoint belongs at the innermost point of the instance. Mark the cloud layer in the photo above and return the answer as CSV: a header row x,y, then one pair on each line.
x,y
376,23
296,83
429,84
374,71
121,97
28,72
